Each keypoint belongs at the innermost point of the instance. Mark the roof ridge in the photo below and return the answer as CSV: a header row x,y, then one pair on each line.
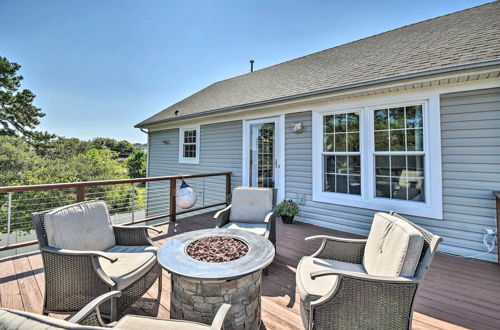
x,y
406,49
358,40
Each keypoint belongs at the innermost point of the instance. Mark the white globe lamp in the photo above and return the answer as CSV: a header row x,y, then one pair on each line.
x,y
186,197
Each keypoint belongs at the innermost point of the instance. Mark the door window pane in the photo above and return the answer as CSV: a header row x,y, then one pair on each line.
x,y
262,155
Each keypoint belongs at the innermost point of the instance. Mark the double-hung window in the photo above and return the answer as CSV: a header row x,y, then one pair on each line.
x,y
379,157
341,154
189,145
399,153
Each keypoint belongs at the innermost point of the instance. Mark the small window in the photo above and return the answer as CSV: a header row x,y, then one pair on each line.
x,y
341,153
189,142
399,153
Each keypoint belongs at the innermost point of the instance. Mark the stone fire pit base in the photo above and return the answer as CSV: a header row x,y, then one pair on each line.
x,y
199,300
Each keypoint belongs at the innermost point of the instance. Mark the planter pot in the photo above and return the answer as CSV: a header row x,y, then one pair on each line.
x,y
287,219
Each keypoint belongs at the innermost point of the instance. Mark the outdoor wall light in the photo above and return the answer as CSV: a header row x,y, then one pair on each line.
x,y
298,127
166,141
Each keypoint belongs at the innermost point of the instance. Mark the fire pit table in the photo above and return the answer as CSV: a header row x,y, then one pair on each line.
x,y
215,266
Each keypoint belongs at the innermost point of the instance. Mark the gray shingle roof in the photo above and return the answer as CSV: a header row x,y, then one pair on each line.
x,y
467,36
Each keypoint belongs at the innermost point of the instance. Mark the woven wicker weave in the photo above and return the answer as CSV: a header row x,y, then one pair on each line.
x,y
72,281
366,303
342,251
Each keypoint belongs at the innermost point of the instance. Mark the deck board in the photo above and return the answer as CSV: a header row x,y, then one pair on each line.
x,y
457,293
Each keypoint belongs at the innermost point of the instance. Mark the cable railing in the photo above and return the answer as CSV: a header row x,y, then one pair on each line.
x,y
130,201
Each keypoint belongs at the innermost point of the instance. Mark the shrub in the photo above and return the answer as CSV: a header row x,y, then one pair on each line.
x,y
287,208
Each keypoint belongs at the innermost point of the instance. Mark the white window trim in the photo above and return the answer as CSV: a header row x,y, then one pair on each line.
x,y
432,208
189,160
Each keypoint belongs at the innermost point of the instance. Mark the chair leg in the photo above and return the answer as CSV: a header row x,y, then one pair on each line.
x,y
160,282
114,309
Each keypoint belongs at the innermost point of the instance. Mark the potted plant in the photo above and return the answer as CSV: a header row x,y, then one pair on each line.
x,y
287,210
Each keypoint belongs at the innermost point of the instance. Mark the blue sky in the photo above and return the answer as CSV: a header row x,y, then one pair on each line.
x,y
99,67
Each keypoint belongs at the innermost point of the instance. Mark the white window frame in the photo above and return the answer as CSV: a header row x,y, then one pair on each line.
x,y
189,160
336,195
432,207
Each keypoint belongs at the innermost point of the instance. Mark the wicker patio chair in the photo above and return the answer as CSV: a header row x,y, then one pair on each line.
x,y
89,318
366,283
251,209
85,256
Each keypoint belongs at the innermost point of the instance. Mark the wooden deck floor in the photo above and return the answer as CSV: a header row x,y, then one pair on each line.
x,y
456,293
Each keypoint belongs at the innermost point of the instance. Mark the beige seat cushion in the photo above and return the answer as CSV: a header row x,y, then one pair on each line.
x,y
309,289
256,228
393,247
251,204
134,322
82,226
133,262
18,320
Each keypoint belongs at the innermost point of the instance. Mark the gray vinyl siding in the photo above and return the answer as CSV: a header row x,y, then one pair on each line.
x,y
470,123
220,150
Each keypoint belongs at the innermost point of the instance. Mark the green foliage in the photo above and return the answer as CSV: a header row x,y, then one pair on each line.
x,y
18,115
122,148
17,160
136,164
21,166
287,208
29,157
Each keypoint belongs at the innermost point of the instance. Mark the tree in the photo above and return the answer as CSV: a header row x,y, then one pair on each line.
x,y
18,115
123,148
136,164
17,160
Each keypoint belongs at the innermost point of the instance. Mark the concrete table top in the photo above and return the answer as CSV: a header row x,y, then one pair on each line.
x,y
173,257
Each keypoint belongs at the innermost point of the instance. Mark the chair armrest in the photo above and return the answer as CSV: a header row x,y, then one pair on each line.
x,y
91,310
99,254
159,231
219,318
341,249
222,217
269,216
133,235
363,276
337,239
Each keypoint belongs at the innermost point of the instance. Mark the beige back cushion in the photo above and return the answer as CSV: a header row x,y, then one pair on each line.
x,y
82,226
393,248
251,204
18,320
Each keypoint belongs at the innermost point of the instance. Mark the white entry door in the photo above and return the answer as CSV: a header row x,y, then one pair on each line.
x,y
262,153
